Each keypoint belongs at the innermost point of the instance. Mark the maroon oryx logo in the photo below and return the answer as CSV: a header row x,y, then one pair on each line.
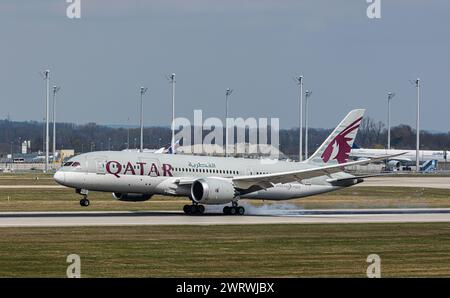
x,y
338,148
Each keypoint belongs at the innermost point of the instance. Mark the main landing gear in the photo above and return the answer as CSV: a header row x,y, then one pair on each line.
x,y
233,210
84,202
194,209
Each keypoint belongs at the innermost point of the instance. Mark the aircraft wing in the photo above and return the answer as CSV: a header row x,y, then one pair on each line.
x,y
404,159
269,180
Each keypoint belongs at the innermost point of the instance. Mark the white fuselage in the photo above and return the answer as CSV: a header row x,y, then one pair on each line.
x,y
408,156
168,174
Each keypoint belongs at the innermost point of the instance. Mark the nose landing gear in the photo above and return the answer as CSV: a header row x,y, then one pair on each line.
x,y
84,202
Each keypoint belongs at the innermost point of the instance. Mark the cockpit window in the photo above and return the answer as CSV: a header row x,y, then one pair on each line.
x,y
75,164
67,164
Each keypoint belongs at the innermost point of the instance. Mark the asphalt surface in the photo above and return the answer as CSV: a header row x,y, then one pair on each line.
x,y
339,216
425,182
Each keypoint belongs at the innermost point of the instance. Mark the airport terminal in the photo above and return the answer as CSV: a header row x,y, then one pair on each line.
x,y
311,160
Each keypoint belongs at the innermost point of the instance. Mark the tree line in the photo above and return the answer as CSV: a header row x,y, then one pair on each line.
x,y
94,137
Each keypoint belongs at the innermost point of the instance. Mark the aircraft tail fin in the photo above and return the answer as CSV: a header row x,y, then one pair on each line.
x,y
336,148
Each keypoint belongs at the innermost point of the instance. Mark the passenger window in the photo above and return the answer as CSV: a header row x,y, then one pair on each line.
x,y
67,164
75,164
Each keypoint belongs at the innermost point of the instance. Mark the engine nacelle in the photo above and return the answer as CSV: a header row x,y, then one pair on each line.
x,y
393,164
131,197
212,191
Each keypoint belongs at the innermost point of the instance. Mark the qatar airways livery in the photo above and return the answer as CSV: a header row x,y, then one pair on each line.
x,y
136,176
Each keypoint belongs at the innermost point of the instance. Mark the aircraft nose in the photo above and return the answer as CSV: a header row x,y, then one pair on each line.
x,y
59,177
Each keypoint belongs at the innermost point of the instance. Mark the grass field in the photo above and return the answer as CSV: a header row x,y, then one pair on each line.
x,y
27,179
63,199
314,250
406,250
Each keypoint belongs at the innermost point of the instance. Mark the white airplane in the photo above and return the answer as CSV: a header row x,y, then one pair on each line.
x,y
136,176
168,149
408,157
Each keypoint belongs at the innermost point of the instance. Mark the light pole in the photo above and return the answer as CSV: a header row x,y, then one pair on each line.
x,y
46,75
227,95
128,133
299,81
390,96
172,81
308,93
43,135
143,90
417,83
55,90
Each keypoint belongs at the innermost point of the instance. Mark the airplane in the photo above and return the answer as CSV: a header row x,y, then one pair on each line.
x,y
408,157
206,180
168,149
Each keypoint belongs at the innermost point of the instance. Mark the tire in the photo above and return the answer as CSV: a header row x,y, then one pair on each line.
x,y
240,210
233,211
86,203
200,209
226,210
187,209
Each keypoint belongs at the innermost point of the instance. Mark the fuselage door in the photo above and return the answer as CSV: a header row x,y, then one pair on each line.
x,y
250,172
100,166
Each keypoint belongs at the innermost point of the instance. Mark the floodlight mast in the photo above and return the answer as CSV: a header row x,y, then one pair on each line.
x,y
228,92
143,90
46,76
308,94
128,133
172,81
390,96
417,83
299,81
55,90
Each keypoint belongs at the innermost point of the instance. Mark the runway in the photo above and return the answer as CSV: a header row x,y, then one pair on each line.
x,y
389,181
153,218
422,182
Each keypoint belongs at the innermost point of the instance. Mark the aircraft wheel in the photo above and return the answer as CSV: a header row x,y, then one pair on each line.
x,y
240,210
187,209
233,211
200,209
84,202
226,210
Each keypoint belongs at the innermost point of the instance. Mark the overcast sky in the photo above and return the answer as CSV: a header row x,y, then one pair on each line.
x,y
253,46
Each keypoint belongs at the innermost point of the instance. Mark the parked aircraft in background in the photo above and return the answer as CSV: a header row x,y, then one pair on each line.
x,y
136,176
407,159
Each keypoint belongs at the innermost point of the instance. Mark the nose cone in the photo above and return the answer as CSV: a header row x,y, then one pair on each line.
x,y
59,177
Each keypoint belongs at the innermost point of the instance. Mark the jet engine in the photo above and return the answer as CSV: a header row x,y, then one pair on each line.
x,y
131,197
212,191
393,164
